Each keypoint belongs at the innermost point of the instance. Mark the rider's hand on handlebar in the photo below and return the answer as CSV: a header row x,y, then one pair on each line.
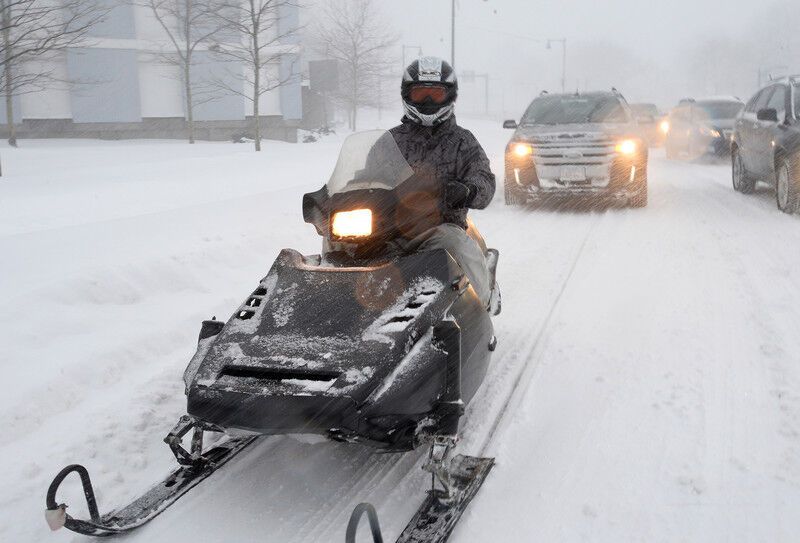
x,y
459,195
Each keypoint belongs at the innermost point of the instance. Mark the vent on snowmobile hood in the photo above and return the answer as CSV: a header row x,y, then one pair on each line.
x,y
278,374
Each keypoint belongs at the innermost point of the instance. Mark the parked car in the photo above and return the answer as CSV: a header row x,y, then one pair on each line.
x,y
652,123
766,143
582,144
701,127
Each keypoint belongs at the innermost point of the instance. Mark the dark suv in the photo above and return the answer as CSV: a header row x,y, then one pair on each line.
x,y
766,143
582,144
701,127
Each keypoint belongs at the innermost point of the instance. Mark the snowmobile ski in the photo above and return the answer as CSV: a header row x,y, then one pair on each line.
x,y
436,518
438,515
193,470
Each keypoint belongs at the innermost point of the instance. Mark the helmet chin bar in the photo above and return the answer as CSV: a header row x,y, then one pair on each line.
x,y
444,113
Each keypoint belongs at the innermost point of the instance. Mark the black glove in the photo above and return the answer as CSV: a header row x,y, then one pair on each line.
x,y
459,195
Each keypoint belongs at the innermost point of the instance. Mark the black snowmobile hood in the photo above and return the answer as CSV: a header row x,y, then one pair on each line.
x,y
310,329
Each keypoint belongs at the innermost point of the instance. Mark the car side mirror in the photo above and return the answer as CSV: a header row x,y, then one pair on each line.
x,y
512,124
767,114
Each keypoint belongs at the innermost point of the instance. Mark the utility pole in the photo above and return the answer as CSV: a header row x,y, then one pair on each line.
x,y
453,33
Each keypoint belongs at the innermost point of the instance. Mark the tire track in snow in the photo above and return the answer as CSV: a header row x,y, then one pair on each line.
x,y
531,347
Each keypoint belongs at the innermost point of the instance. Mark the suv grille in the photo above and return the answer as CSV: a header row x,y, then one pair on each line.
x,y
579,149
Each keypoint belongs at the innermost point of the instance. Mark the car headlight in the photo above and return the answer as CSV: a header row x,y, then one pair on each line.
x,y
711,132
352,224
626,147
521,150
664,126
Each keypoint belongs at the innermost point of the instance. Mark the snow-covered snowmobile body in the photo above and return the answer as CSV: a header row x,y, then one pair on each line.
x,y
365,342
348,352
353,348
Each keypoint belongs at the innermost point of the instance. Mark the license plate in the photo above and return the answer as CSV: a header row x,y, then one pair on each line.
x,y
573,173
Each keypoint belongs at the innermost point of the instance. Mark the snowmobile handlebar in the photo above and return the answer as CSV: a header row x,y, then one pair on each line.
x,y
355,518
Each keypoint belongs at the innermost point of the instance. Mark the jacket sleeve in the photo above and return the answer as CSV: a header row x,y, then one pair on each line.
x,y
474,169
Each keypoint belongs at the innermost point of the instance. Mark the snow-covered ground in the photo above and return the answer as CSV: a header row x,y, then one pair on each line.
x,y
646,385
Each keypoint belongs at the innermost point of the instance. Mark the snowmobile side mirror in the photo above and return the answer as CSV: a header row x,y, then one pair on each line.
x,y
312,208
510,123
210,329
767,114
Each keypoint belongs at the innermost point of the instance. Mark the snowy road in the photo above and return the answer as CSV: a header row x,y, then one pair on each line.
x,y
646,386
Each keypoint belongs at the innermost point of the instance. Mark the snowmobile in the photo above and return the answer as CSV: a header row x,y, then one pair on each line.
x,y
361,343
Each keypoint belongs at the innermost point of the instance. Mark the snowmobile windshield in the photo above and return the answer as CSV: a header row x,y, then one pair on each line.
x,y
369,160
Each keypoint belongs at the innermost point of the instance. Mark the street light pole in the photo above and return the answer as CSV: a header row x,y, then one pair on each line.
x,y
453,34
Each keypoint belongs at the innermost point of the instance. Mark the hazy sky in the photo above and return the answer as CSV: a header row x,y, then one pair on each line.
x,y
654,33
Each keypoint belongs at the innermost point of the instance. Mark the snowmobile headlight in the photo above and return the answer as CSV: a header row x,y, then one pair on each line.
x,y
664,126
522,149
352,224
626,147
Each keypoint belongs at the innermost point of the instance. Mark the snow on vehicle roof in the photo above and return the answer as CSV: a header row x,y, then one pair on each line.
x,y
718,99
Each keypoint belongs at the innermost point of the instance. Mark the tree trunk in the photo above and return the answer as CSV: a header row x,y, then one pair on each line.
x,y
9,87
355,97
189,101
187,67
256,112
256,88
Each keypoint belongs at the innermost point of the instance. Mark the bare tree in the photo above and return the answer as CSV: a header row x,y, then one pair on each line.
x,y
353,33
36,29
189,24
258,44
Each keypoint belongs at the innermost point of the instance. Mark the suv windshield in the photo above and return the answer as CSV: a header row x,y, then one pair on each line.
x,y
718,110
369,160
575,110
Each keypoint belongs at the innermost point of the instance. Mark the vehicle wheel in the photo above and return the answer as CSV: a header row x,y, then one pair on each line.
x,y
639,199
742,182
512,194
787,187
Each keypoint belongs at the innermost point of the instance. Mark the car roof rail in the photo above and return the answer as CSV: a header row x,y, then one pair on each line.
x,y
791,78
543,93
686,101
618,94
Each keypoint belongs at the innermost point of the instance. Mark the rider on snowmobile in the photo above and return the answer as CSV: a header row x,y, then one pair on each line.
x,y
454,164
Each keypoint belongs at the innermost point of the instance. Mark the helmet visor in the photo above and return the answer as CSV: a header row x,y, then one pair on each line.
x,y
420,94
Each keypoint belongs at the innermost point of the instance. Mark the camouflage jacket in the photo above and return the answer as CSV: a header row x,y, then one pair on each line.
x,y
445,153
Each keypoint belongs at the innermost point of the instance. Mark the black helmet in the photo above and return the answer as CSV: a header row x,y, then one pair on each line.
x,y
429,90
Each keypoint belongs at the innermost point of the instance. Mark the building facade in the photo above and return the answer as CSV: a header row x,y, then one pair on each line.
x,y
121,87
